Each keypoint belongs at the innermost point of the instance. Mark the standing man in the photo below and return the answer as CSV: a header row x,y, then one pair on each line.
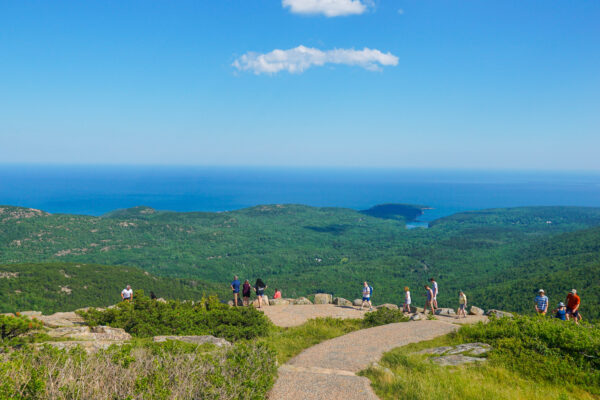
x,y
429,302
434,289
235,287
366,296
127,294
541,303
573,302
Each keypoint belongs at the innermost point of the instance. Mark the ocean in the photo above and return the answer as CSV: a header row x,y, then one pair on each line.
x,y
95,190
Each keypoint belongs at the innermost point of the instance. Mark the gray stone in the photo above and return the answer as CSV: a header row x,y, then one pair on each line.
x,y
472,348
457,359
340,301
220,342
445,311
240,302
301,301
388,306
499,314
436,350
278,302
357,302
475,311
30,313
417,317
264,301
414,309
61,319
323,298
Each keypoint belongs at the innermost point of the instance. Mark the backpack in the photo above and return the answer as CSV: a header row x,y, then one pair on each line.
x,y
370,290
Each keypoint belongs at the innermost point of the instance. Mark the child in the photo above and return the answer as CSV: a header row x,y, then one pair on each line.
x,y
406,307
561,311
462,305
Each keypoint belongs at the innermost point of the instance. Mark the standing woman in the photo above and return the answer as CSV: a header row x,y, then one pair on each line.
x,y
259,288
246,292
462,304
407,301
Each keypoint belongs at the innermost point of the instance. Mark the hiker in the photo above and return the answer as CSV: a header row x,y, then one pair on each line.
x,y
152,295
561,312
407,301
434,289
429,302
246,288
366,296
127,294
235,288
462,305
573,302
259,288
541,303
277,294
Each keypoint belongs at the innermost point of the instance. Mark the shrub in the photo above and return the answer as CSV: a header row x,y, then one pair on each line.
x,y
144,317
12,327
243,371
383,316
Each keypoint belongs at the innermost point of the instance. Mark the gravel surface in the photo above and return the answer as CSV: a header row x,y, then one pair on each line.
x,y
326,371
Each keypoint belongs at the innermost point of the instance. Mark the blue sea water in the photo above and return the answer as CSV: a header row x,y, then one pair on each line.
x,y
95,190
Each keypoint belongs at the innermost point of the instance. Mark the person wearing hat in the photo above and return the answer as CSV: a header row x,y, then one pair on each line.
x,y
561,312
541,303
573,302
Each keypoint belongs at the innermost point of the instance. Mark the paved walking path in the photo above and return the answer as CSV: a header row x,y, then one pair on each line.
x,y
328,370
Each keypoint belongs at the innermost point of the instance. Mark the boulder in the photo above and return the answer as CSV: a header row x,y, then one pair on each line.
x,y
61,319
278,302
240,302
499,314
90,333
161,300
323,298
415,310
340,301
357,302
445,311
219,342
475,311
301,301
417,317
388,306
31,313
264,301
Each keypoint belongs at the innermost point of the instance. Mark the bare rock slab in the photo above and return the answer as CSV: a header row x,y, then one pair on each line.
x,y
457,359
475,311
445,311
219,342
388,306
499,314
340,301
302,300
279,302
90,333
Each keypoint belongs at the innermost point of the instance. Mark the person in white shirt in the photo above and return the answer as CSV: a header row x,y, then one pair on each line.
x,y
407,301
127,293
434,289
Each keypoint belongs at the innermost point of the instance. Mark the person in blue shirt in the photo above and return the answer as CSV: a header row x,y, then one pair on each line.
x,y
235,287
561,311
541,303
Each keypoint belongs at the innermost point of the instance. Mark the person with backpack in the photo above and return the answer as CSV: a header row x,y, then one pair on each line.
x,y
259,288
246,288
367,291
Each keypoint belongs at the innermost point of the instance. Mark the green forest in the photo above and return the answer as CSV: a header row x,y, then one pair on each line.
x,y
499,257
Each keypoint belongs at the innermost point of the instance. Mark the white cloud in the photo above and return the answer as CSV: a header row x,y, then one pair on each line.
x,y
298,59
329,8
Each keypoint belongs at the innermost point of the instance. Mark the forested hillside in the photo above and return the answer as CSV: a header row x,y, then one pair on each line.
x,y
67,286
491,254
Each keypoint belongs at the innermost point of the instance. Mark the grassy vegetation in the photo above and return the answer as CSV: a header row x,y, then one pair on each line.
x,y
499,257
532,358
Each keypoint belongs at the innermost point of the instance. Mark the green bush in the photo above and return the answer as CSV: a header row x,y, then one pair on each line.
x,y
12,327
543,348
383,316
144,317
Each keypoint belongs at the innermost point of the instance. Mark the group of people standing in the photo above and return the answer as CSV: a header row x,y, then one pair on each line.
x,y
565,312
431,293
246,289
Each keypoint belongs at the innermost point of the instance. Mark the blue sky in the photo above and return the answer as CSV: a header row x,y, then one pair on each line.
x,y
416,83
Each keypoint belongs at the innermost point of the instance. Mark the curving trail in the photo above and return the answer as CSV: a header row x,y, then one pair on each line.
x,y
328,370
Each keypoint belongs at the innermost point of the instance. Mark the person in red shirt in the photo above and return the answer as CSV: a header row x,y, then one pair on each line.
x,y
277,294
573,302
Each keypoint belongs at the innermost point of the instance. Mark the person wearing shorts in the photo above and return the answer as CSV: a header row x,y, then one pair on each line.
x,y
127,293
573,303
541,303
259,288
235,288
462,305
429,301
434,290
366,296
246,289
407,300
